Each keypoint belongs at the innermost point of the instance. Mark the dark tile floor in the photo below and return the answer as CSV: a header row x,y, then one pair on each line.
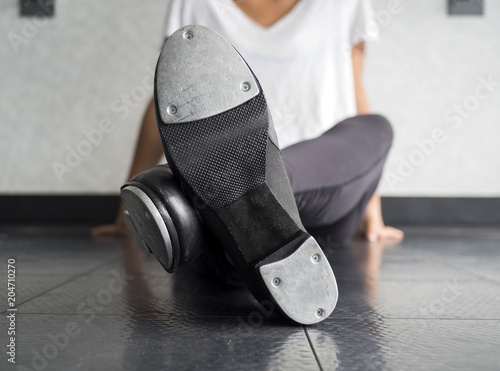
x,y
429,303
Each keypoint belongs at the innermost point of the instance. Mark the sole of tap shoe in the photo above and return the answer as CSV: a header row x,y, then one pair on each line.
x,y
220,143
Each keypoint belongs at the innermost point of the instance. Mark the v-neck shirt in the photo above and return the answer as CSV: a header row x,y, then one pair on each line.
x,y
303,61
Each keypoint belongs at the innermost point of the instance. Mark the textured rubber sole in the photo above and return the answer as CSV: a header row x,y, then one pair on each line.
x,y
222,161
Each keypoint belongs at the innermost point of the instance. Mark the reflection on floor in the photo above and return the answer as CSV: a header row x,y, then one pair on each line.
x,y
431,302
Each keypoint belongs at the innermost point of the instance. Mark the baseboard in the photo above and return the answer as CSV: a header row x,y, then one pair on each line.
x,y
71,209
94,209
441,211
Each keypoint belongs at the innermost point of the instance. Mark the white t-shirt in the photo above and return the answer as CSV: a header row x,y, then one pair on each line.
x,y
303,61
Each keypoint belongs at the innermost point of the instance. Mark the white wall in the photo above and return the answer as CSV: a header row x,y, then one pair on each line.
x,y
426,62
64,79
67,73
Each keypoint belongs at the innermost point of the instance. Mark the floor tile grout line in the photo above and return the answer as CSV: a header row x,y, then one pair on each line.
x,y
230,316
312,347
473,274
439,319
91,270
132,316
218,316
234,316
443,262
478,276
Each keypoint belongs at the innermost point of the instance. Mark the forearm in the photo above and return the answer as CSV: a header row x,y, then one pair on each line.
x,y
148,150
373,225
358,56
362,105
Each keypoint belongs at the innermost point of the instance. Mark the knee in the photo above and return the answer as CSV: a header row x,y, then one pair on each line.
x,y
382,128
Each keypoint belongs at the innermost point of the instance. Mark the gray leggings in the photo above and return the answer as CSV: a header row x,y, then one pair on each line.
x,y
334,176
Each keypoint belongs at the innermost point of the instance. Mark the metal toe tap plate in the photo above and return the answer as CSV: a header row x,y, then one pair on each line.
x,y
199,75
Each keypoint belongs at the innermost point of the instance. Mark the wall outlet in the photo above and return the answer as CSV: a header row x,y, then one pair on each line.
x,y
465,7
39,8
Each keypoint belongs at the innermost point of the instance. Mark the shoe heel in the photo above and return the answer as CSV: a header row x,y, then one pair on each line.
x,y
148,227
302,284
136,236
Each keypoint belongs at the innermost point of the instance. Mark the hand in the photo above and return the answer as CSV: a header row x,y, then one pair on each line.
x,y
373,227
383,233
118,229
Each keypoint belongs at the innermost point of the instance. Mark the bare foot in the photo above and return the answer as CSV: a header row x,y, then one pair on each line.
x,y
373,227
